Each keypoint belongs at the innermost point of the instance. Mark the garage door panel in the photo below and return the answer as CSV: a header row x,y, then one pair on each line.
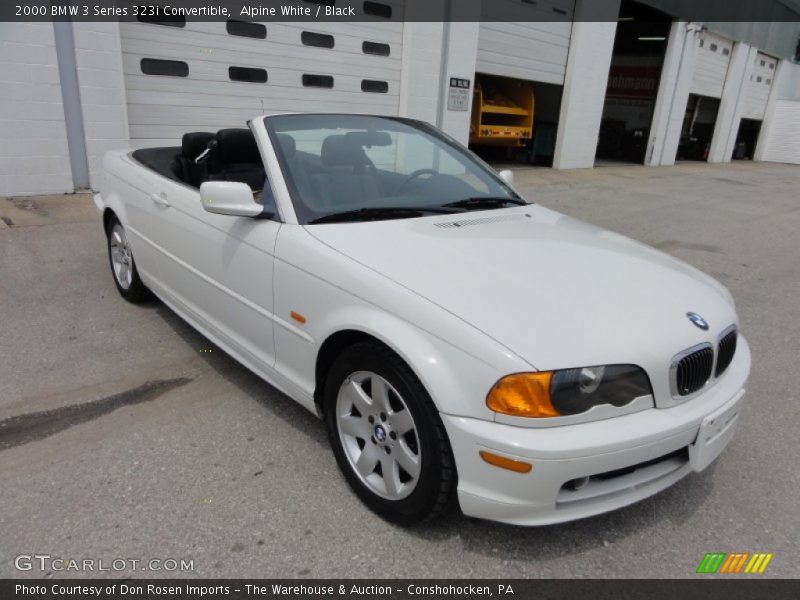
x,y
300,58
169,101
711,65
782,145
277,34
536,51
389,31
164,107
227,116
758,86
217,97
290,71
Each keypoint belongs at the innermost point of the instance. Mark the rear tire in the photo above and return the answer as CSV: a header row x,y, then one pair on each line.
x,y
123,267
387,435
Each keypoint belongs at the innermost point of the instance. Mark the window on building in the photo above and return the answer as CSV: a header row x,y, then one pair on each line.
x,y
323,81
320,40
166,20
374,86
246,29
247,74
375,48
726,51
158,66
713,47
378,9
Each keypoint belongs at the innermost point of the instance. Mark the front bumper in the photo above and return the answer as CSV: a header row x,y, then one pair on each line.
x,y
626,458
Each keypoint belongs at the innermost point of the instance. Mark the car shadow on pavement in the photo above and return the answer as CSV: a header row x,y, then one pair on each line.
x,y
245,380
676,504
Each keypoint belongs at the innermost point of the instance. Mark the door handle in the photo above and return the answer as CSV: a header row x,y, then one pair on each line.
x,y
160,198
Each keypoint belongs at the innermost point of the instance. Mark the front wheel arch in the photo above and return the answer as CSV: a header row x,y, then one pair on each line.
x,y
332,347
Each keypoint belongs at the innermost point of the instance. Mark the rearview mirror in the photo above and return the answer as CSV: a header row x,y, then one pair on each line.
x,y
507,176
229,198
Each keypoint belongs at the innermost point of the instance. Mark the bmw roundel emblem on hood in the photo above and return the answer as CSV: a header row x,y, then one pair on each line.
x,y
697,320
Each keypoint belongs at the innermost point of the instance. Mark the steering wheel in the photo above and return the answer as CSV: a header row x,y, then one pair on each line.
x,y
416,174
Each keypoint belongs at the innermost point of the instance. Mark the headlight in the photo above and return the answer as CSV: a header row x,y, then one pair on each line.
x,y
568,391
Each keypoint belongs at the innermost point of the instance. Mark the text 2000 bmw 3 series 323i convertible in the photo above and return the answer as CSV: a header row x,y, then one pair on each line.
x,y
456,339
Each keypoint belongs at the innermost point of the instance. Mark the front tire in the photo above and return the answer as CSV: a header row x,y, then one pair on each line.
x,y
387,436
123,267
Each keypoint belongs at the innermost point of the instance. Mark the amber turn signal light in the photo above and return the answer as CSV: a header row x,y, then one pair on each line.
x,y
505,463
523,395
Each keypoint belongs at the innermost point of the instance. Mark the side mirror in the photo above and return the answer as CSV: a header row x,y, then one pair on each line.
x,y
507,176
229,198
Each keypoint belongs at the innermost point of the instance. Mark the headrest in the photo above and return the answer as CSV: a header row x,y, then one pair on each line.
x,y
235,146
341,151
287,144
193,144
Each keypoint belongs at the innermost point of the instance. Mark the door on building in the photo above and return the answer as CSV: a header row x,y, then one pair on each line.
x,y
698,127
638,56
708,80
531,50
746,139
203,76
756,94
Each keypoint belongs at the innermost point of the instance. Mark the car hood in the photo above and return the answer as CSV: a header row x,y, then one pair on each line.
x,y
555,291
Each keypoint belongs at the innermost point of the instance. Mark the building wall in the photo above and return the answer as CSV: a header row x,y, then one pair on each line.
x,y
585,82
34,155
780,132
34,158
102,90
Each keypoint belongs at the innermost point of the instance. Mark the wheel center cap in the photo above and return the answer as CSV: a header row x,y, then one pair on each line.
x,y
380,433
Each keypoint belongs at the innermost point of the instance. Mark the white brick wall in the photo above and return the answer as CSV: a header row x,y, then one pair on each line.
x,y
102,89
33,141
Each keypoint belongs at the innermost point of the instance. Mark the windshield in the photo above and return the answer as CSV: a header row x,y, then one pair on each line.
x,y
379,167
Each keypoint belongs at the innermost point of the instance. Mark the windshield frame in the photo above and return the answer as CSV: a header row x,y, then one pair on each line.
x,y
299,206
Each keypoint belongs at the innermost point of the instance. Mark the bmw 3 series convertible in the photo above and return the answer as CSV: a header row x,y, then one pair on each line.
x,y
460,342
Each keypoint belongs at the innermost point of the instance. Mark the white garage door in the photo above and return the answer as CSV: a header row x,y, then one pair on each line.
x,y
207,76
711,66
783,144
536,51
757,91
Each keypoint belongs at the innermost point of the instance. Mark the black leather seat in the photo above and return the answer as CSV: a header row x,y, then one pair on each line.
x,y
192,145
234,156
348,176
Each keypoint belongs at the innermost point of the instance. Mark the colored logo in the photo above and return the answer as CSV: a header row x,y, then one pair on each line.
x,y
697,320
734,563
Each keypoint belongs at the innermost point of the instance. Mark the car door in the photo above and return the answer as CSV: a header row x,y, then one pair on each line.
x,y
217,270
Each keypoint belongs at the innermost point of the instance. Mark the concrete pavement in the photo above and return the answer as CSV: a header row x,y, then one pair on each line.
x,y
131,436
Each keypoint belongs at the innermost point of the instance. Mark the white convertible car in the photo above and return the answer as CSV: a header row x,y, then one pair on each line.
x,y
456,339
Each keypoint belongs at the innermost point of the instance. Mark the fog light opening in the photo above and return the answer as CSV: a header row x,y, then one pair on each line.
x,y
577,484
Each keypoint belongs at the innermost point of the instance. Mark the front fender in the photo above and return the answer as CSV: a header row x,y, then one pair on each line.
x,y
455,362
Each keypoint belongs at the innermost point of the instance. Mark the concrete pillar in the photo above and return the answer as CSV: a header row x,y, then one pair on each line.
x,y
432,54
588,63
460,56
104,105
673,94
419,77
730,106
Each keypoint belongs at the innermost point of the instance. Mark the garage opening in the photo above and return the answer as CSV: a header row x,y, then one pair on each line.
x,y
746,139
698,127
514,120
636,62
